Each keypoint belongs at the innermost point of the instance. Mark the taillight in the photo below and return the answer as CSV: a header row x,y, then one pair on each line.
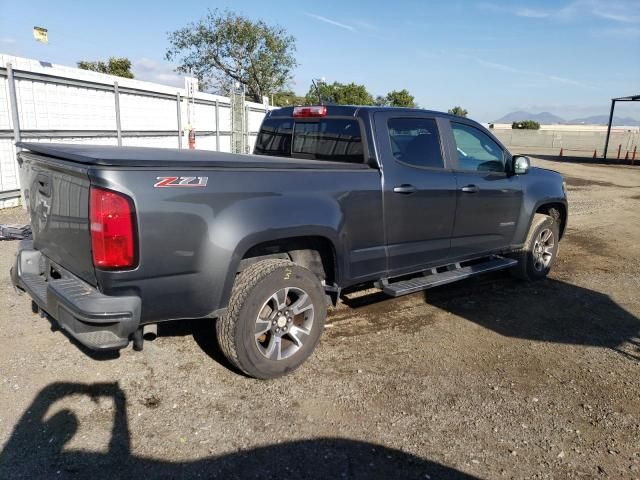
x,y
313,111
112,232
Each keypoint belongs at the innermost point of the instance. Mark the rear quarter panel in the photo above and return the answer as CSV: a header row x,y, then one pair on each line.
x,y
191,239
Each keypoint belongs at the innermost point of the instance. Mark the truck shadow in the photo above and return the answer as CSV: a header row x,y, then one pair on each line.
x,y
37,449
547,311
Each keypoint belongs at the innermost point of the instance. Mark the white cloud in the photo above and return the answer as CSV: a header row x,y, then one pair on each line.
x,y
152,71
335,23
530,13
621,11
510,69
364,25
568,81
499,66
520,12
7,40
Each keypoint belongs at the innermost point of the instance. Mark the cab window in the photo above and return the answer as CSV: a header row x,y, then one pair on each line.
x,y
415,141
476,150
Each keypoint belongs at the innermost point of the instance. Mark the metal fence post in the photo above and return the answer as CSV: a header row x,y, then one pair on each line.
x,y
217,126
179,102
606,142
13,98
116,94
245,128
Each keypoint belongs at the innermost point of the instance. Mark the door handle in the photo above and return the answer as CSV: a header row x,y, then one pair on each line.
x,y
470,189
405,189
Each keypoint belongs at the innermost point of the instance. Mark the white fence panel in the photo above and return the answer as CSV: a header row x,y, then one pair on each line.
x,y
8,166
5,112
225,121
68,105
138,112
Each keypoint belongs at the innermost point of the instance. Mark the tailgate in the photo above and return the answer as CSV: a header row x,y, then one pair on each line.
x,y
57,197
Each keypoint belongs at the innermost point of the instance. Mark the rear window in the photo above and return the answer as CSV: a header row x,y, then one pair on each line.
x,y
274,138
335,139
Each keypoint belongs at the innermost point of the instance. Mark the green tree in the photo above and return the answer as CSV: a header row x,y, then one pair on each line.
x,y
401,98
381,101
340,94
526,125
119,66
224,47
286,97
461,112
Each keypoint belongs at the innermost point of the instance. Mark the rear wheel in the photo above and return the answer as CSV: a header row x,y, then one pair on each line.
x,y
540,249
275,318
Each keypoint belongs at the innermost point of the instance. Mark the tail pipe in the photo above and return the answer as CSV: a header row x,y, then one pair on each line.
x,y
150,331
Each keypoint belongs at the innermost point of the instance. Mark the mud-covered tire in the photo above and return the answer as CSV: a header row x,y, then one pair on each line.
x,y
257,300
539,252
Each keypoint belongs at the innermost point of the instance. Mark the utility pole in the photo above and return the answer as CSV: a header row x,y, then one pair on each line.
x,y
317,83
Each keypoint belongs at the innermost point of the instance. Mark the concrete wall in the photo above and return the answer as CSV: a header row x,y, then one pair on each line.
x,y
580,143
568,127
63,104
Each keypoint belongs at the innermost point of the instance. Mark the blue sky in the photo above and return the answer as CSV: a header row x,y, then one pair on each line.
x,y
491,57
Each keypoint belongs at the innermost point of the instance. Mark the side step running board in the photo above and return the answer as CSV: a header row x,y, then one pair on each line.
x,y
455,273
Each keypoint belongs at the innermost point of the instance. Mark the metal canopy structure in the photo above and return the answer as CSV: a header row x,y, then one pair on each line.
x,y
631,98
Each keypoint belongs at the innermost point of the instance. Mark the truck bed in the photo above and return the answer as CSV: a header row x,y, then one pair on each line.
x,y
111,156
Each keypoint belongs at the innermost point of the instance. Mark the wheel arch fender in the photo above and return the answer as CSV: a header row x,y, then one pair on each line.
x,y
540,206
250,223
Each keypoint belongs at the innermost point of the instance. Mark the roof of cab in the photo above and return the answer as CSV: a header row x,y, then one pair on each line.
x,y
352,110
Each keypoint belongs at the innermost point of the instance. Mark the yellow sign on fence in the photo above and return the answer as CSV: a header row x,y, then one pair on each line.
x,y
41,34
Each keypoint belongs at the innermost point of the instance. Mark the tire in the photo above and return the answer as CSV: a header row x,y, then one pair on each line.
x,y
536,258
272,299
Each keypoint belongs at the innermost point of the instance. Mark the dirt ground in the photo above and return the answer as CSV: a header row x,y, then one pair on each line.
x,y
486,378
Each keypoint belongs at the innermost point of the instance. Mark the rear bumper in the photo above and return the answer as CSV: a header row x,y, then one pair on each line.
x,y
97,321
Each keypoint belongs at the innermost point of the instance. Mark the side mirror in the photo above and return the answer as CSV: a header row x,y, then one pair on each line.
x,y
520,164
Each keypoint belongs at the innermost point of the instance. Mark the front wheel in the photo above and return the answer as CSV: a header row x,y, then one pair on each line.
x,y
275,318
540,249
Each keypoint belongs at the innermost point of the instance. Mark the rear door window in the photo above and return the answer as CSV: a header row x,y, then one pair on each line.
x,y
334,139
415,141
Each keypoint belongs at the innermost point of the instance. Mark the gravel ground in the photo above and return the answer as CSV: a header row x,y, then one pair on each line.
x,y
486,378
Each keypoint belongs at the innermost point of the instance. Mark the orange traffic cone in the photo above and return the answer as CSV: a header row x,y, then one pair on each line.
x,y
595,153
561,152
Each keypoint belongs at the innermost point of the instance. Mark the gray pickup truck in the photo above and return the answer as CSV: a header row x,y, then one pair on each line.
x,y
334,197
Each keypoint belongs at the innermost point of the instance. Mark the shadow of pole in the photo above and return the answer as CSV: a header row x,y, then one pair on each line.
x,y
36,450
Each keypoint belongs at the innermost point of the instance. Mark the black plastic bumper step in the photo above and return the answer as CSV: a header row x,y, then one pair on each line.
x,y
416,284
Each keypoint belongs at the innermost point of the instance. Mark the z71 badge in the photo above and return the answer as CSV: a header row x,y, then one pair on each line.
x,y
181,182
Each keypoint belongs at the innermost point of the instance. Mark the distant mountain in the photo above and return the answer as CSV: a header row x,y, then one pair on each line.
x,y
546,118
543,117
604,119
